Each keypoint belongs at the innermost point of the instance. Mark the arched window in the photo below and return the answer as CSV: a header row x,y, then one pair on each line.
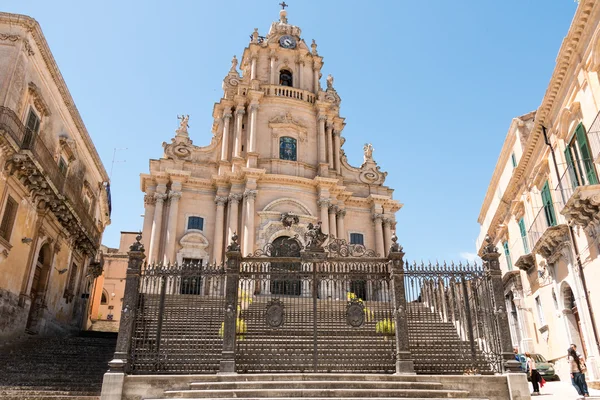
x,y
104,299
287,148
285,78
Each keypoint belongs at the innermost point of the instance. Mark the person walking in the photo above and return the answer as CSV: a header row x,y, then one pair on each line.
x,y
533,374
578,369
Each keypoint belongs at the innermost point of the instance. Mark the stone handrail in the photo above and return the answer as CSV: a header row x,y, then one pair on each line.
x,y
290,92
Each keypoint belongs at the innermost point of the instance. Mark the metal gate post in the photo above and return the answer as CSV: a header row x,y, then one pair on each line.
x,y
232,273
491,265
316,257
119,363
404,361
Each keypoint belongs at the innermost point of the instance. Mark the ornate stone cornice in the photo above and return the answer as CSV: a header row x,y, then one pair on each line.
x,y
551,242
583,207
525,262
38,101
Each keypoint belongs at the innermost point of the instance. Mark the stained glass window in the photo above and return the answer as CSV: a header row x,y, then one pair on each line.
x,y
287,148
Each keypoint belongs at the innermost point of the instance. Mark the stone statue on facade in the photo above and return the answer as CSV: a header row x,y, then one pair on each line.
x,y
315,237
329,81
234,63
184,124
368,152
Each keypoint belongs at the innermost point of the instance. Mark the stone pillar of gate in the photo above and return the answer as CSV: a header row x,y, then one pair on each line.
x,y
112,385
491,265
233,254
404,361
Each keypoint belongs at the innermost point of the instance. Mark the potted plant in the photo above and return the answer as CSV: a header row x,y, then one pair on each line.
x,y
386,327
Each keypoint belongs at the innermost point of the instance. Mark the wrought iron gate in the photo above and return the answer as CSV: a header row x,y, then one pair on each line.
x,y
452,320
313,312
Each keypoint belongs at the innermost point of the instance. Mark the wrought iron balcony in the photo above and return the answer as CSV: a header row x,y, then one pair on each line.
x,y
581,194
36,167
547,233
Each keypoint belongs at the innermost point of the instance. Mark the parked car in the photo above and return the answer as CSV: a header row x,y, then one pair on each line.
x,y
545,368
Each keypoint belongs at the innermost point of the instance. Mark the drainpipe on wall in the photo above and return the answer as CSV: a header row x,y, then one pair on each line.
x,y
574,244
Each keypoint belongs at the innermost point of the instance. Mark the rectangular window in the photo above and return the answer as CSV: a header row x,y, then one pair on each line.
x,y
357,238
8,218
507,255
548,205
514,160
62,166
579,159
540,310
196,223
32,128
524,236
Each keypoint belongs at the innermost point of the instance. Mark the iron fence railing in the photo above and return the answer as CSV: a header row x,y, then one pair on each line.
x,y
36,149
594,138
546,217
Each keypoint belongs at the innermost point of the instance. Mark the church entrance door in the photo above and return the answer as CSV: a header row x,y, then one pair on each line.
x,y
285,274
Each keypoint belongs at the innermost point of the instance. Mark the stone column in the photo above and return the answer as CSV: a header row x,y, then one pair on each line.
x,y
174,197
120,362
253,67
377,220
332,224
225,142
321,120
217,251
336,149
239,116
149,206
316,68
491,264
252,137
324,206
330,144
404,360
300,73
234,200
387,233
341,230
249,196
157,223
272,71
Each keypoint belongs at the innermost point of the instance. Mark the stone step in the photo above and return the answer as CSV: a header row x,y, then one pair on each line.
x,y
320,384
320,398
283,392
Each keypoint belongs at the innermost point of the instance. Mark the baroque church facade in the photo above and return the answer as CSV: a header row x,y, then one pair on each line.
x,y
276,151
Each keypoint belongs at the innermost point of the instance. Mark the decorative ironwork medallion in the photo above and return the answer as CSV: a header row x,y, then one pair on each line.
x,y
275,314
355,313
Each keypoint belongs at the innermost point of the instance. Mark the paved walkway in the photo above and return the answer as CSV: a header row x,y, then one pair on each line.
x,y
562,390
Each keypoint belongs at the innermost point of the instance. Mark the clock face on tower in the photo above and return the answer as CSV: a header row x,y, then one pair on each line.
x,y
287,42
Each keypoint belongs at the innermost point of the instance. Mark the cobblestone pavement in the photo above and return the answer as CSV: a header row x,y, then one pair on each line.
x,y
562,390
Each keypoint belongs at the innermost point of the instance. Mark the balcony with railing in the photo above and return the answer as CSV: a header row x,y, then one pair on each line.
x,y
547,233
289,92
579,184
32,161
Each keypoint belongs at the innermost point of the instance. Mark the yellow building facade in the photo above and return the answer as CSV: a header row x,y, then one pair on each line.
x,y
542,207
54,203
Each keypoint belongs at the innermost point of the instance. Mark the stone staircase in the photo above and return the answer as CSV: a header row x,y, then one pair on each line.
x,y
328,386
68,368
193,322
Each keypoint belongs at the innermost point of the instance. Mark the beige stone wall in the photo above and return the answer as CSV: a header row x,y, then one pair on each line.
x,y
49,299
550,270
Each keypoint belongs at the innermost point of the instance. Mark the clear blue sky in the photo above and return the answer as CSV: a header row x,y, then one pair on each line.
x,y
432,84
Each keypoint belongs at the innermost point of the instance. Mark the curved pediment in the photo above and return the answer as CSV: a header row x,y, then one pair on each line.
x,y
194,240
288,204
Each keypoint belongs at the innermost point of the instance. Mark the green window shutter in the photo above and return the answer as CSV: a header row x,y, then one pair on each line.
x,y
524,235
571,166
514,160
548,205
584,149
507,254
